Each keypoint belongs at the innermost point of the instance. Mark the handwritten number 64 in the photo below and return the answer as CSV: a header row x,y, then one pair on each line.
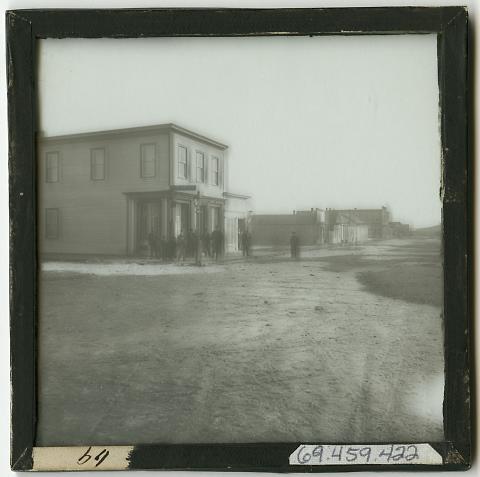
x,y
100,457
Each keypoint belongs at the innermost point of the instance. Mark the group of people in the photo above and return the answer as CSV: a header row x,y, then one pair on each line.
x,y
186,245
245,241
189,245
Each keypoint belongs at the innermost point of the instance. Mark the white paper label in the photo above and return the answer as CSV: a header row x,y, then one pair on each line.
x,y
363,454
81,458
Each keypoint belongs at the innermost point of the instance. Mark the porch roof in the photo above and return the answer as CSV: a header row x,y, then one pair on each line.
x,y
173,194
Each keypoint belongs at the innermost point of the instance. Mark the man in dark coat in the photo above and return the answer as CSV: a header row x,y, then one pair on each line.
x,y
217,242
246,239
172,247
164,248
181,244
294,245
151,244
243,239
190,243
207,245
158,245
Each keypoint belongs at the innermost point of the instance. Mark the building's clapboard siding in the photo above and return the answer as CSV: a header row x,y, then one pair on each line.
x,y
92,214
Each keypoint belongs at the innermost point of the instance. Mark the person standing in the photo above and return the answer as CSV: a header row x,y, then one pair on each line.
x,y
206,245
181,247
164,248
196,245
243,240
217,241
158,245
248,242
172,245
190,244
151,244
214,243
294,245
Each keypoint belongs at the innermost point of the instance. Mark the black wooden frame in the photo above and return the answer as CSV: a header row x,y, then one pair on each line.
x,y
26,27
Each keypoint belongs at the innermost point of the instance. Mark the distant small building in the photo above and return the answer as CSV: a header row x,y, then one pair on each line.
x,y
330,226
377,220
345,228
275,229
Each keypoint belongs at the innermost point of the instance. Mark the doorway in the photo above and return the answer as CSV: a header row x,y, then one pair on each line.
x,y
149,214
241,228
182,218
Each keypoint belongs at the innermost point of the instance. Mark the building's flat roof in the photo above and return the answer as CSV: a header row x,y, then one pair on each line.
x,y
284,219
135,131
236,196
358,210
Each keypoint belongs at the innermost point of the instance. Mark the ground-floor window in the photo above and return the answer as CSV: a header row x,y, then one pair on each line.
x,y
215,218
53,166
51,223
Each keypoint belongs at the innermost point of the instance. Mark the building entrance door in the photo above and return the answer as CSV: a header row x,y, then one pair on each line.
x,y
182,218
149,214
241,228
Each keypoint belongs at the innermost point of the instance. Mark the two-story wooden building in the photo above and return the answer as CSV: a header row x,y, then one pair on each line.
x,y
104,192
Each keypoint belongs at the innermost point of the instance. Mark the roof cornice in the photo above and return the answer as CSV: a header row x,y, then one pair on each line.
x,y
135,131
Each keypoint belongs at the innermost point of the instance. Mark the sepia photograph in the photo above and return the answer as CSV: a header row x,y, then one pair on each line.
x,y
239,240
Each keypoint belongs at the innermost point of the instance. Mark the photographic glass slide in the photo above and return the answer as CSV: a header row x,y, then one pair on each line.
x,y
239,240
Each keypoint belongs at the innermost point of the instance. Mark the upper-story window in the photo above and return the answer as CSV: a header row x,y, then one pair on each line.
x,y
147,160
182,162
215,170
53,166
97,164
200,167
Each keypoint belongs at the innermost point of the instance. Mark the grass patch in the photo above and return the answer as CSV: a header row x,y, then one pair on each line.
x,y
414,283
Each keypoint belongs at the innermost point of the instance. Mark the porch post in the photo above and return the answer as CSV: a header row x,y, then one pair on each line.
x,y
193,215
223,227
208,219
164,216
195,204
172,217
131,226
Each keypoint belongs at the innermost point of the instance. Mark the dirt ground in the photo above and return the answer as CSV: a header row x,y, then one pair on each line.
x,y
343,345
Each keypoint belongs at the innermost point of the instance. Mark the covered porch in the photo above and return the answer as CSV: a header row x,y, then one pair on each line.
x,y
169,212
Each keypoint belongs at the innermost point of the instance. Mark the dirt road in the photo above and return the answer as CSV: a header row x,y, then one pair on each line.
x,y
259,351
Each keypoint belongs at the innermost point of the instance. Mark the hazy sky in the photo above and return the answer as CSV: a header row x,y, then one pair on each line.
x,y
310,122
